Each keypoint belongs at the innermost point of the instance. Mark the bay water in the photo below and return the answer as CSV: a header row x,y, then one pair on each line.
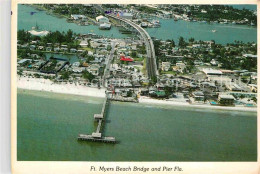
x,y
49,123
170,29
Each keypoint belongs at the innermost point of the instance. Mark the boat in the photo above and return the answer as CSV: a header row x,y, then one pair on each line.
x,y
105,26
213,31
252,24
144,25
156,23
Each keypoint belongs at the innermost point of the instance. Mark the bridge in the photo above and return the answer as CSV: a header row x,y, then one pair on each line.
x,y
150,58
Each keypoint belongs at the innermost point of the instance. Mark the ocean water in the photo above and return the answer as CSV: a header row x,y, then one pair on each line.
x,y
48,125
170,29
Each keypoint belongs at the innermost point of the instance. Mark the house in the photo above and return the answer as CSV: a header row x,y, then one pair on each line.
x,y
35,56
227,72
180,66
32,47
234,87
213,62
166,66
37,64
83,43
242,94
210,71
126,59
94,69
24,61
56,49
48,48
249,56
166,14
90,53
40,47
227,100
73,50
198,62
253,87
198,96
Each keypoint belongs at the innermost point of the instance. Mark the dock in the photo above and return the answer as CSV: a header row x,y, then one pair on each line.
x,y
97,135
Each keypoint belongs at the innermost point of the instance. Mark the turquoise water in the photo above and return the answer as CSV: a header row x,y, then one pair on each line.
x,y
249,7
48,125
225,33
47,22
70,57
170,29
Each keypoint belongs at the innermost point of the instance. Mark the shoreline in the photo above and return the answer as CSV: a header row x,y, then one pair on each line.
x,y
39,84
147,100
72,89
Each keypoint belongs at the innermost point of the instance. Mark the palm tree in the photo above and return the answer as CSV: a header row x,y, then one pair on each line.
x,y
20,73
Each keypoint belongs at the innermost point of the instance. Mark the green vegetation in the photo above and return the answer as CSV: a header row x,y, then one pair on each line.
x,y
67,38
139,59
69,9
141,49
147,9
182,42
133,54
216,13
229,56
65,75
87,75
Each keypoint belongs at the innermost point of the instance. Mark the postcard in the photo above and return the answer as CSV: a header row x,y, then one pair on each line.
x,y
134,87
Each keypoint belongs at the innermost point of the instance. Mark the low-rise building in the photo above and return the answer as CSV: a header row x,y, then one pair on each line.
x,y
166,66
210,71
127,16
227,100
198,96
77,17
180,67
102,19
24,61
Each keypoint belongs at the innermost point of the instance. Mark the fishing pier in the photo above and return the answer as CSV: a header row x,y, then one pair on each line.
x,y
97,135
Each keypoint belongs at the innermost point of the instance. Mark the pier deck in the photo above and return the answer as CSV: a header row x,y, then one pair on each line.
x,y
97,135
85,137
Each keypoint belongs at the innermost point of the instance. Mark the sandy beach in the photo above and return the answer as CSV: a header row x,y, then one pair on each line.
x,y
148,100
47,85
40,84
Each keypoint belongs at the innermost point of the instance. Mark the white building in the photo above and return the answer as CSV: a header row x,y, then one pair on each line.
x,y
213,62
102,19
180,66
127,16
105,26
210,71
166,66
77,17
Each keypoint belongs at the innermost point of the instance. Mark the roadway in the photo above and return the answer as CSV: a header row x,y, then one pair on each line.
x,y
150,58
108,63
